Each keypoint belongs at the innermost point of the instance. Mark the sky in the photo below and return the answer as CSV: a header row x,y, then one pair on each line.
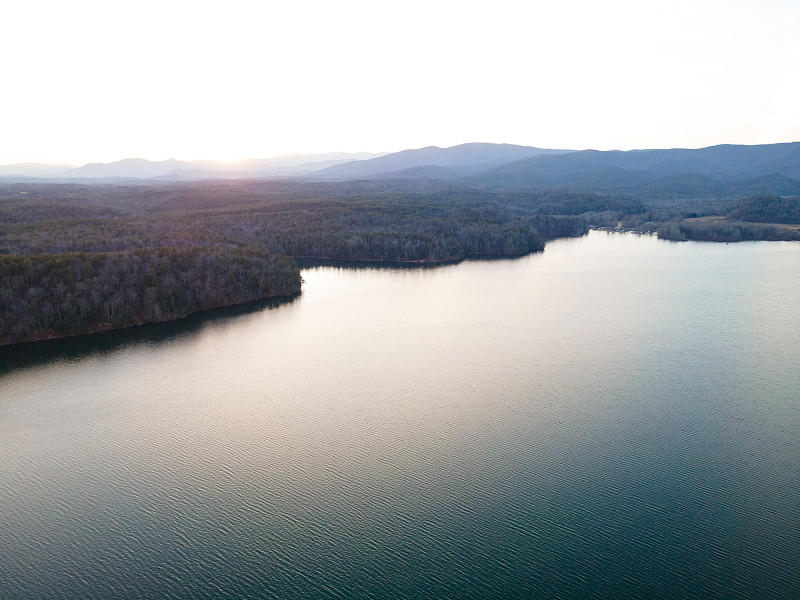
x,y
86,81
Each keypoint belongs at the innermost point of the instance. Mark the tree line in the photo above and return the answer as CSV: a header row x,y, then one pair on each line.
x,y
51,295
724,231
766,209
82,258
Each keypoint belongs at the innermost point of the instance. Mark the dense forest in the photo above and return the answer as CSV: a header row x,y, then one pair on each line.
x,y
723,231
340,221
80,258
45,295
766,209
754,218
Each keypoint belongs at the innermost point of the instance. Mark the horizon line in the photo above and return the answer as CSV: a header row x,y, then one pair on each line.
x,y
377,153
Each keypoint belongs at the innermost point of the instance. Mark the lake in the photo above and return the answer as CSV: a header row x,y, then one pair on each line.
x,y
617,417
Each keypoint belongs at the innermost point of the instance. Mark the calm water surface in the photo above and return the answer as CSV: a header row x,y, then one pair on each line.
x,y
618,417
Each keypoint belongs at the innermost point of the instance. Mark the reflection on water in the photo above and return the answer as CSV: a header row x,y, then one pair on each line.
x,y
76,348
616,417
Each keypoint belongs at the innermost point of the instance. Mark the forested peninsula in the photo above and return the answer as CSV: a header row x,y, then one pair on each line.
x,y
82,258
79,258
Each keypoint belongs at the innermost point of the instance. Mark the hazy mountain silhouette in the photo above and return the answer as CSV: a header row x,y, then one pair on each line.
x,y
463,160
141,168
130,167
294,163
423,172
717,162
772,184
726,170
34,170
201,174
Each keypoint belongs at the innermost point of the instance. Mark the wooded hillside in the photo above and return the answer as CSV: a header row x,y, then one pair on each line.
x,y
76,259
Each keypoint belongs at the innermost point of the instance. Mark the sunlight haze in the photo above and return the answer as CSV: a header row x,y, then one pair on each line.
x,y
98,82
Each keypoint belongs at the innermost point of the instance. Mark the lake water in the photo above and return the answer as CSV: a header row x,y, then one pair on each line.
x,y
617,417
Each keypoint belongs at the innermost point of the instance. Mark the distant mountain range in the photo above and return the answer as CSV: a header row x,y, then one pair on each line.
x,y
140,168
33,170
466,159
725,170
717,171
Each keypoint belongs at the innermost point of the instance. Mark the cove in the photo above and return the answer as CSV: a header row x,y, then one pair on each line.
x,y
615,417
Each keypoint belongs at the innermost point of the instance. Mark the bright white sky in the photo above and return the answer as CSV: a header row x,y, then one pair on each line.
x,y
86,81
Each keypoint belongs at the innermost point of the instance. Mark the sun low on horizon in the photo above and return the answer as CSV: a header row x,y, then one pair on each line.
x,y
94,82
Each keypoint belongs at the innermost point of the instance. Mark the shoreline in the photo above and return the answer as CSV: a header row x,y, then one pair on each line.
x,y
145,323
302,262
310,262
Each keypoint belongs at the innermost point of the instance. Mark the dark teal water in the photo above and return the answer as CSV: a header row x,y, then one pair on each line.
x,y
618,417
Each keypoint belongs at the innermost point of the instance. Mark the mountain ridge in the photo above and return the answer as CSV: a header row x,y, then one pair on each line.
x,y
142,168
464,158
722,170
